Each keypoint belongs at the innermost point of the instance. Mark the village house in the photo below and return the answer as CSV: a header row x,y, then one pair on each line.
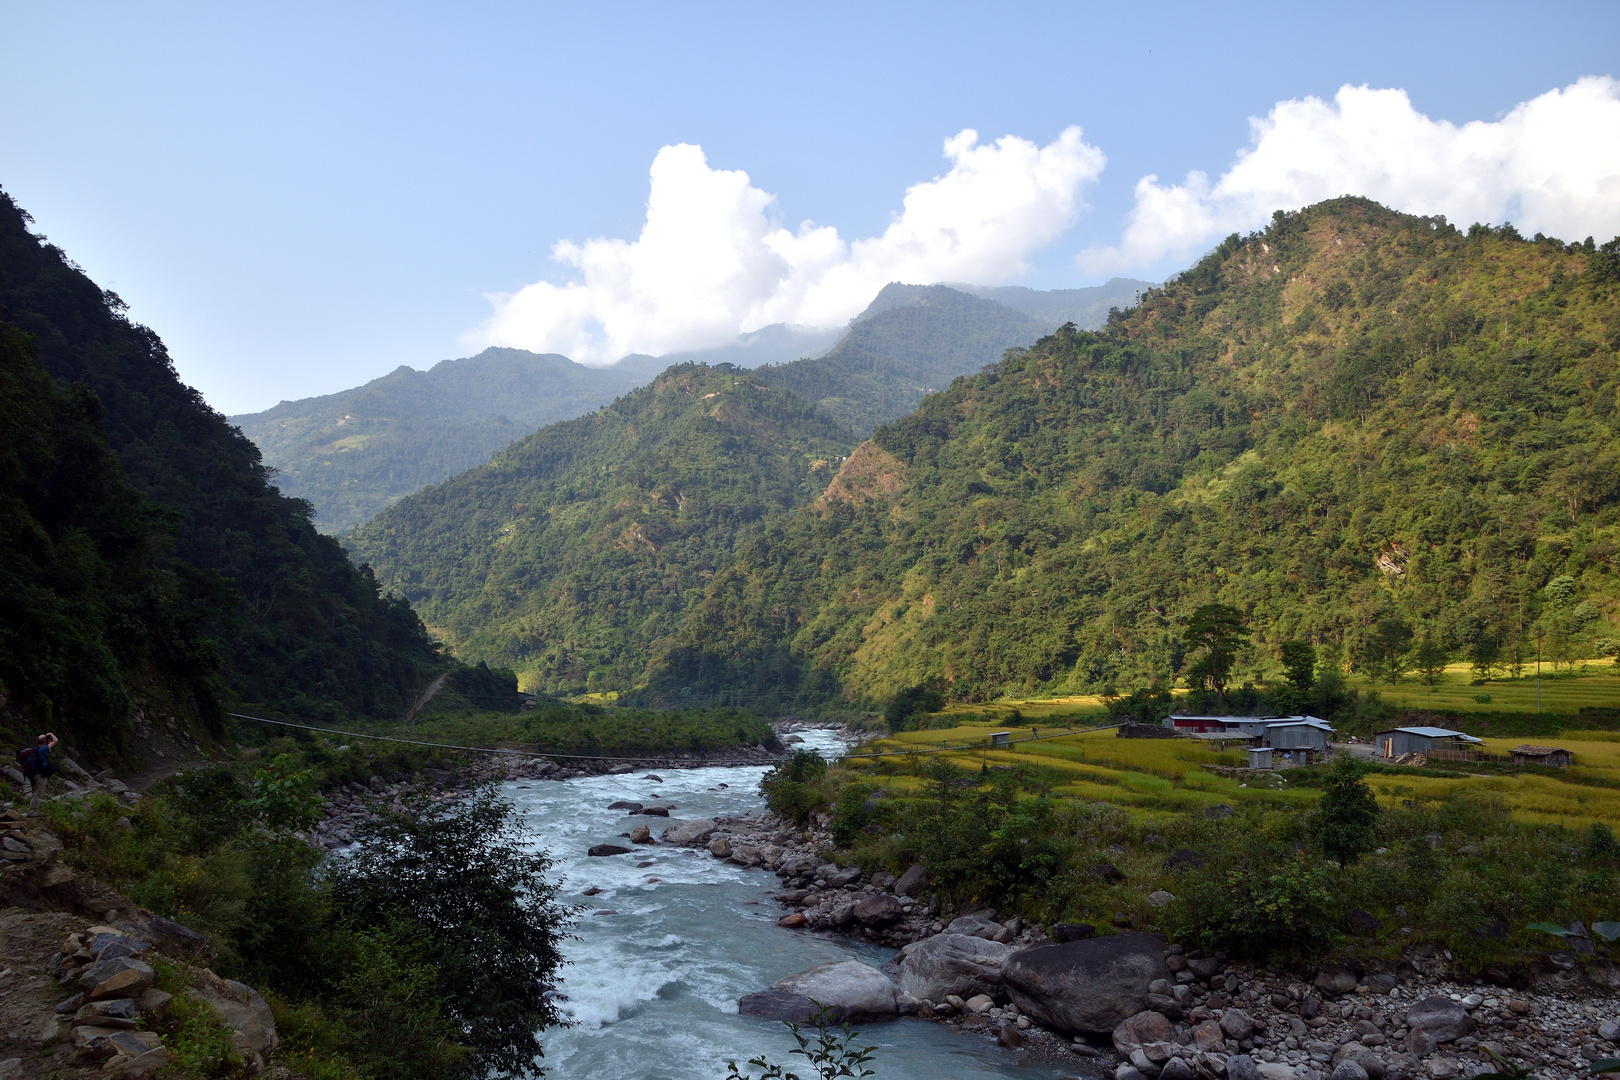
x,y
1297,739
1398,742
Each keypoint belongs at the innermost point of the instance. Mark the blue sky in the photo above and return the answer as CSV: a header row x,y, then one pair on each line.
x,y
301,197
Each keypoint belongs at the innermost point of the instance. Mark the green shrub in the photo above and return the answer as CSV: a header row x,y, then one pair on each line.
x,y
1269,902
793,788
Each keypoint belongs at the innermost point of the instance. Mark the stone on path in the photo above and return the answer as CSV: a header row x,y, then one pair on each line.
x,y
1440,1018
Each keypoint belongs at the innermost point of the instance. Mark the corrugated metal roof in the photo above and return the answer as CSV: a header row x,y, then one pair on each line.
x,y
1435,733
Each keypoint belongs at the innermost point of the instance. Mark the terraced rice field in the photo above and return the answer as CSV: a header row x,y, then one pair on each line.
x,y
1152,777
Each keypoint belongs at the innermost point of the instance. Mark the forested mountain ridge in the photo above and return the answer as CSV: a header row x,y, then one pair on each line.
x,y
288,619
354,452
573,555
1355,424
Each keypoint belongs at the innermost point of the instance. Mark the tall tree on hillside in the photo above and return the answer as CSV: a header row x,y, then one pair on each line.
x,y
1385,647
1218,630
1299,664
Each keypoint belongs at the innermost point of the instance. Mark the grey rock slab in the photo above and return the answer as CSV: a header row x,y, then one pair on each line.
x,y
914,882
948,963
240,1006
1086,986
1441,1018
878,909
979,926
850,989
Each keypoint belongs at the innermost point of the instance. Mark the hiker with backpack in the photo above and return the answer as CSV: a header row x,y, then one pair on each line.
x,y
36,766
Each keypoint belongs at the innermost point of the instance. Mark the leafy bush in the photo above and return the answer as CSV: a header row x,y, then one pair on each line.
x,y
1268,902
792,788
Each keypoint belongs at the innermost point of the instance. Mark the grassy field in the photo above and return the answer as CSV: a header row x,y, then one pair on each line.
x,y
1155,777
1592,684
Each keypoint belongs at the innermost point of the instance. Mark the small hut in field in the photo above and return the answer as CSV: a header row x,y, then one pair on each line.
x,y
1556,756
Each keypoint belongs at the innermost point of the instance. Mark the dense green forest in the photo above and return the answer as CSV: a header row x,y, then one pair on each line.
x,y
210,567
574,554
1356,425
354,452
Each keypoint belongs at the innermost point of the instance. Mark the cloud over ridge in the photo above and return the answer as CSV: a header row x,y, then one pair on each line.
x,y
710,263
1551,164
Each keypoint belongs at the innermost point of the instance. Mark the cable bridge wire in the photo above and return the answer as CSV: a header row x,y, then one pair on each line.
x,y
644,757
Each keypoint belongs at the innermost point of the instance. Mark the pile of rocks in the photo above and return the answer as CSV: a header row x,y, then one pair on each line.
x,y
114,999
354,804
1217,1019
114,1005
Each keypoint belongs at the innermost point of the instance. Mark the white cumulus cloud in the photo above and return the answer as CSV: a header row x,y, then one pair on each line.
x,y
711,263
1551,165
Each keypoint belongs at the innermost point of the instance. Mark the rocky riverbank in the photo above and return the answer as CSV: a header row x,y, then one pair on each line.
x,y
1144,1009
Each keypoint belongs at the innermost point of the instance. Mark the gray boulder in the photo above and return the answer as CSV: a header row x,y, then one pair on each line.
x,y
980,926
602,850
1145,1027
1241,1067
1334,983
694,833
1237,1024
878,909
253,1024
1176,1069
1440,1018
914,882
1348,1070
946,964
1086,986
850,989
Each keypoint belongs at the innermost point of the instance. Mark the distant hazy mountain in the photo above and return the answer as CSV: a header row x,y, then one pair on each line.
x,y
1086,308
354,452
913,339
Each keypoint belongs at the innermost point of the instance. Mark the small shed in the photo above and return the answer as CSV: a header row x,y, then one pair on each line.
x,y
1398,742
1556,756
1000,740
1260,757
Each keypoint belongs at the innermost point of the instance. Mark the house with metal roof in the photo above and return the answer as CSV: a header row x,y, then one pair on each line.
x,y
1298,733
1398,742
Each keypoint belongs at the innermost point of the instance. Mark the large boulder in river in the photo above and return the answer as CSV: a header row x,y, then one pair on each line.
x,y
694,833
946,964
850,989
1086,986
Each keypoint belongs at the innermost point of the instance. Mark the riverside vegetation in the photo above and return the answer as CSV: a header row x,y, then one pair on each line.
x,y
425,953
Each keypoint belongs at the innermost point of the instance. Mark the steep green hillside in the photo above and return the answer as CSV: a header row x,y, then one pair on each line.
x,y
354,452
573,555
296,623
1353,425
910,341
88,603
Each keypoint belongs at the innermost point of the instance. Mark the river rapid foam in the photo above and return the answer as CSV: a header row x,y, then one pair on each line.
x,y
662,953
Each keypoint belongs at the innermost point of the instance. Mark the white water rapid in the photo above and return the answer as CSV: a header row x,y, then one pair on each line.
x,y
664,951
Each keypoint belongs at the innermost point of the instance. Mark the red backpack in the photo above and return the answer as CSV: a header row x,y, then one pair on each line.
x,y
29,759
